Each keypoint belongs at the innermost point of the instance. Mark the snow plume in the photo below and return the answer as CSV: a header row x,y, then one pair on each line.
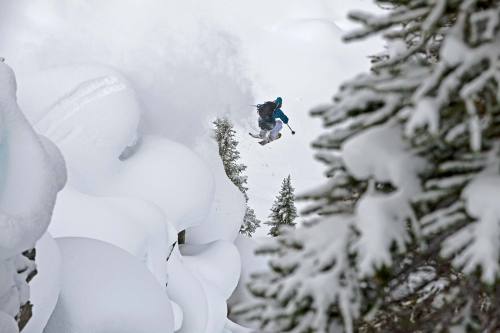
x,y
32,174
195,64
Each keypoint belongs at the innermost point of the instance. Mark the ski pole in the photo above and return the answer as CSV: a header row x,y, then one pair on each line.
x,y
293,132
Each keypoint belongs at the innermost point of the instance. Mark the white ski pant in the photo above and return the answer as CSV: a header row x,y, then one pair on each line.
x,y
274,132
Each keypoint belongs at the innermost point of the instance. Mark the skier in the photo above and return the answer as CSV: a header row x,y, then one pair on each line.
x,y
271,119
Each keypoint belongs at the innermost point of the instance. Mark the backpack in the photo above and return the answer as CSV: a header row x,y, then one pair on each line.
x,y
266,110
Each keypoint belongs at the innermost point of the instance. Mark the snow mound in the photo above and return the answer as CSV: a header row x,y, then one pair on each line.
x,y
227,211
91,120
218,262
185,289
178,316
217,308
30,182
89,112
197,282
128,223
171,176
93,100
104,289
92,114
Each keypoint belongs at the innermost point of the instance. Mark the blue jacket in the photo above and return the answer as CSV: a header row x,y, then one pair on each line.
x,y
278,113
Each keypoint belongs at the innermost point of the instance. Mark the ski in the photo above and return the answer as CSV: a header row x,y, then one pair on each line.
x,y
255,136
266,141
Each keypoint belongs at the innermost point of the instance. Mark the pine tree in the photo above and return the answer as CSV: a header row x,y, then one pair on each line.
x,y
250,222
283,212
408,238
228,151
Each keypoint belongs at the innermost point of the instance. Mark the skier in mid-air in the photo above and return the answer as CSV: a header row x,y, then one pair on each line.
x,y
271,119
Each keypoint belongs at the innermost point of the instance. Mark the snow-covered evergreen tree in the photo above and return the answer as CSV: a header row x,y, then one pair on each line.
x,y
409,239
283,211
228,151
250,222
